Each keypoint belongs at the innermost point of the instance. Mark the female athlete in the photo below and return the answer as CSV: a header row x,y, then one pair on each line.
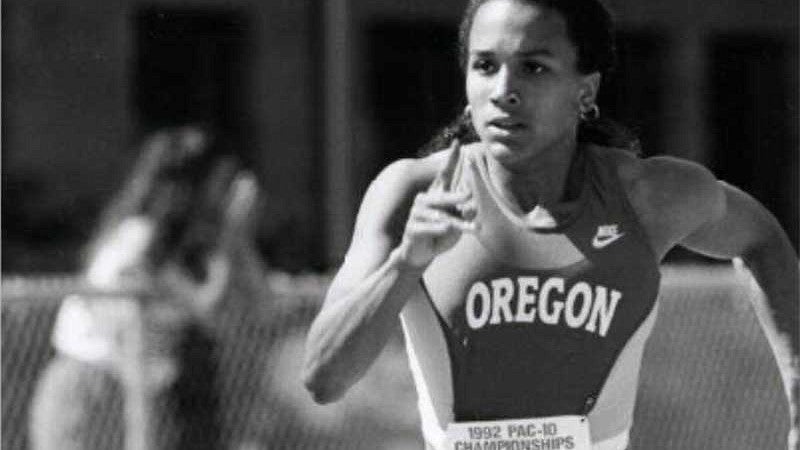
x,y
523,259
171,246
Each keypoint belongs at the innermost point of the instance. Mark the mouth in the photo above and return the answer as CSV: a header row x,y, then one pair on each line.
x,y
506,124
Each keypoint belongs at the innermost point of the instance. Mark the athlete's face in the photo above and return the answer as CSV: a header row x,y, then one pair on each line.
x,y
523,86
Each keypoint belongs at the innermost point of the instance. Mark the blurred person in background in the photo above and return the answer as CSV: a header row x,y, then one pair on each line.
x,y
171,245
522,255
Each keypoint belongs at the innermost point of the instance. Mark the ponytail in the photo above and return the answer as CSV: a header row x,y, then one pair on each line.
x,y
461,128
608,133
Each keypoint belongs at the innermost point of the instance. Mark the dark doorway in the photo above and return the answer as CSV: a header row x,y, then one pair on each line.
x,y
753,107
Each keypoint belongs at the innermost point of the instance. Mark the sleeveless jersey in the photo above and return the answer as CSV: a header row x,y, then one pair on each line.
x,y
521,322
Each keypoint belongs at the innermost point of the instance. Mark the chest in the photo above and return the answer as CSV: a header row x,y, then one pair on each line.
x,y
594,280
471,288
591,275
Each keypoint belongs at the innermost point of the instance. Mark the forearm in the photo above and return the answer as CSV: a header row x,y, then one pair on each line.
x,y
775,268
350,333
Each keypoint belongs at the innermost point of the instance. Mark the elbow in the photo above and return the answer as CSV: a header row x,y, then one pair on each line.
x,y
322,387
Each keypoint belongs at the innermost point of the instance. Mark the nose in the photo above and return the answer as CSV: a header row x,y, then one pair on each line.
x,y
504,93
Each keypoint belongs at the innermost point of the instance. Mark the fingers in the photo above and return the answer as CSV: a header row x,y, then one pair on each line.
x,y
454,208
442,199
434,229
444,177
437,217
461,211
458,203
447,172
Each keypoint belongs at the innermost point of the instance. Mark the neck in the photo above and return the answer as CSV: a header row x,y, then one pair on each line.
x,y
540,179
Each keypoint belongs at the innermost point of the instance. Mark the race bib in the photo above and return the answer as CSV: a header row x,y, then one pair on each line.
x,y
545,433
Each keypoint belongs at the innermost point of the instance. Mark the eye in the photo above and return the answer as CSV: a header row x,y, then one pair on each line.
x,y
533,67
483,65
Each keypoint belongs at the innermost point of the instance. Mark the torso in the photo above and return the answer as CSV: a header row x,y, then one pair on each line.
x,y
536,323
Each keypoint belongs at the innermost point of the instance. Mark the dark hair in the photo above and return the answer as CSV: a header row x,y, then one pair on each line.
x,y
590,28
179,182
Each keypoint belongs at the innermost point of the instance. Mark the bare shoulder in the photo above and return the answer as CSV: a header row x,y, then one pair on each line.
x,y
405,177
671,196
389,196
666,181
415,171
382,216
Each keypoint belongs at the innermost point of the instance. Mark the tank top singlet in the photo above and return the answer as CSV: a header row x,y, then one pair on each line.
x,y
521,322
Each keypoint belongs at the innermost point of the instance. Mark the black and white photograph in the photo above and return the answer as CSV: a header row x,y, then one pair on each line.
x,y
400,225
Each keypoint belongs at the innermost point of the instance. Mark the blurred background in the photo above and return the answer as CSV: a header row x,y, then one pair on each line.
x,y
318,96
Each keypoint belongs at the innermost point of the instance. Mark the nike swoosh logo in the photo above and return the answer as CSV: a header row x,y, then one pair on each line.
x,y
603,241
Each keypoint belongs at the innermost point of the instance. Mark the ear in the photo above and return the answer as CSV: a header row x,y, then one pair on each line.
x,y
589,85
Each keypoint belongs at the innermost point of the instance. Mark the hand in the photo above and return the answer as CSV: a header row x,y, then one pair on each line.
x,y
240,212
437,218
198,297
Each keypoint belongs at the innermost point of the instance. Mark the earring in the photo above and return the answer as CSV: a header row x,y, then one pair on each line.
x,y
592,113
466,116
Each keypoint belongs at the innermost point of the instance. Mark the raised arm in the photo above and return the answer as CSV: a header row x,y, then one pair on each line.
x,y
399,229
747,230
